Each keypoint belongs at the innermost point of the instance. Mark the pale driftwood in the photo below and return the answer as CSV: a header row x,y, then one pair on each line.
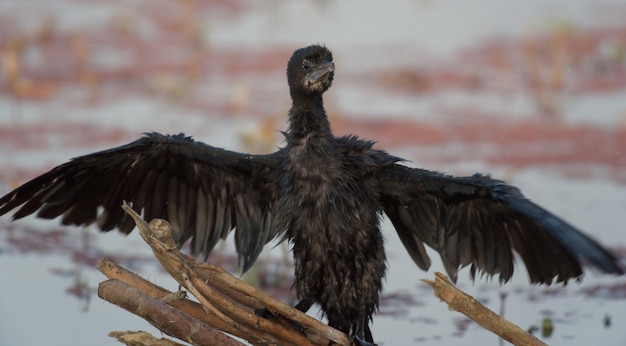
x,y
113,271
166,318
469,306
251,296
141,338
226,303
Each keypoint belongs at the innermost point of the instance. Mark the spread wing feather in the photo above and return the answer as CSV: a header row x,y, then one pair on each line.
x,y
203,191
479,222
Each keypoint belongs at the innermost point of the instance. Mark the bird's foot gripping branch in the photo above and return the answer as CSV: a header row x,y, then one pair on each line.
x,y
226,304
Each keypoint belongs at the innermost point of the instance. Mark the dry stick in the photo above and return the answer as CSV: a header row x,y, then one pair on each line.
x,y
246,317
239,307
248,328
113,271
316,331
221,278
180,267
207,272
158,235
217,295
141,338
469,306
254,333
164,317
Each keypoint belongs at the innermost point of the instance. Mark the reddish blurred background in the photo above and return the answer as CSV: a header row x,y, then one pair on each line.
x,y
531,91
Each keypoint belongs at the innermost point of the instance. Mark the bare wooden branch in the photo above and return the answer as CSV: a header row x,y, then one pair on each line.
x,y
164,317
246,318
251,296
113,271
469,306
229,301
254,333
141,338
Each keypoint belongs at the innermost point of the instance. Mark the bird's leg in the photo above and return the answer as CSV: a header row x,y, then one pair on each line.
x,y
304,304
363,334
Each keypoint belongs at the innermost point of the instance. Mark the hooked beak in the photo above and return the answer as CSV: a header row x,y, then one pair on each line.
x,y
321,70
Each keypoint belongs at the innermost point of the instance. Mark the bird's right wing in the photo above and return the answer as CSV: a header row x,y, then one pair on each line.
x,y
479,221
202,191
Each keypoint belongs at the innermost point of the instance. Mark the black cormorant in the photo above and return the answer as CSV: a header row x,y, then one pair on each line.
x,y
326,195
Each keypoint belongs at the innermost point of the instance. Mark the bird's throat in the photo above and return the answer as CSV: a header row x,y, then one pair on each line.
x,y
308,124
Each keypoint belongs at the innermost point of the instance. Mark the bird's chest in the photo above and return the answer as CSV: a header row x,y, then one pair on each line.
x,y
315,186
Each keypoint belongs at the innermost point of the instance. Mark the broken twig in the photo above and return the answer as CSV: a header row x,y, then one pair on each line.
x,y
470,307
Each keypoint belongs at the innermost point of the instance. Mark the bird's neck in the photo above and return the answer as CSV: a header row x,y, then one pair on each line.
x,y
308,120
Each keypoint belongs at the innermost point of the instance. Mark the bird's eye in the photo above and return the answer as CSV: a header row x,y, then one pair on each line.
x,y
306,64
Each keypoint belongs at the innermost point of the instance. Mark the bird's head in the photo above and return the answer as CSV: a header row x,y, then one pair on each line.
x,y
310,71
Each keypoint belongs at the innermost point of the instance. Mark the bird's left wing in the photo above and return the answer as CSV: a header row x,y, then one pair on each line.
x,y
478,221
202,191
